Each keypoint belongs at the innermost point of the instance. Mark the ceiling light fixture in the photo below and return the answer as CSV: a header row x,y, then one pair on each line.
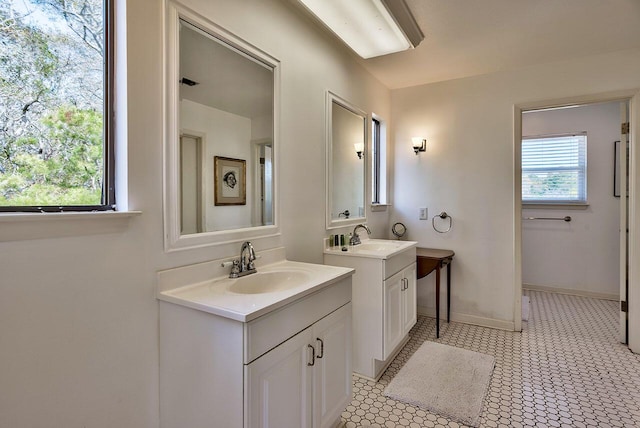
x,y
370,27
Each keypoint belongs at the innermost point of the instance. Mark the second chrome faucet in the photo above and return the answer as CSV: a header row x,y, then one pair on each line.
x,y
355,238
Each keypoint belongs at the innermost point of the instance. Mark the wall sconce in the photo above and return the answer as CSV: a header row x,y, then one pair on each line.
x,y
419,144
359,149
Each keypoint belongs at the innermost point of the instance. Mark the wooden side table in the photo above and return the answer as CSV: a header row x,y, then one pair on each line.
x,y
428,260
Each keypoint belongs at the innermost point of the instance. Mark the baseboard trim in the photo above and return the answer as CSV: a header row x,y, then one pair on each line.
x,y
469,319
571,291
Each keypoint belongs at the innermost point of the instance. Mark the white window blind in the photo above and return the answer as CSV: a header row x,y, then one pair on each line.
x,y
554,169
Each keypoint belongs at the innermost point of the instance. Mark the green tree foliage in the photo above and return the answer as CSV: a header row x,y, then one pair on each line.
x,y
51,102
554,185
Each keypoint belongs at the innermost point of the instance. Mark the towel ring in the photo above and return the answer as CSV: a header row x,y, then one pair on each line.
x,y
443,215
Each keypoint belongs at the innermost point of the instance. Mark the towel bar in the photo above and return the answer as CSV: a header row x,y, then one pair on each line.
x,y
566,218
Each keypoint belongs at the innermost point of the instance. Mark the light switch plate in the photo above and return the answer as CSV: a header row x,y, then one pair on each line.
x,y
423,214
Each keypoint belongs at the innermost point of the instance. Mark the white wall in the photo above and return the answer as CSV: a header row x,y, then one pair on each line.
x,y
78,315
262,128
582,255
227,135
468,169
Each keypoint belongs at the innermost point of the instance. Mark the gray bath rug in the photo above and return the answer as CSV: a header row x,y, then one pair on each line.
x,y
445,380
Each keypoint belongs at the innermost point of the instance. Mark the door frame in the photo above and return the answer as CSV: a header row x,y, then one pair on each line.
x,y
633,297
200,139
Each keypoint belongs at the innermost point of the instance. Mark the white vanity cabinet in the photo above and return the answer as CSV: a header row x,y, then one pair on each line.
x,y
400,308
306,381
281,360
383,301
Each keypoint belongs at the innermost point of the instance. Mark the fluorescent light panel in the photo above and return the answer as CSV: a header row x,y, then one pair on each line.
x,y
364,25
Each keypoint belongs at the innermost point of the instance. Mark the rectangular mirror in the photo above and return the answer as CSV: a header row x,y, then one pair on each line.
x,y
346,162
221,148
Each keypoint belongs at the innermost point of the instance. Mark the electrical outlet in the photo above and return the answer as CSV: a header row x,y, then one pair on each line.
x,y
423,214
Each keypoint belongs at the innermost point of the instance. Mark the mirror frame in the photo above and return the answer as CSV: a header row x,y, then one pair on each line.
x,y
330,99
173,240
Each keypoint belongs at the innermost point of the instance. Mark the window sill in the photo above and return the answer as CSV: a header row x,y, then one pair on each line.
x,y
27,226
552,206
379,207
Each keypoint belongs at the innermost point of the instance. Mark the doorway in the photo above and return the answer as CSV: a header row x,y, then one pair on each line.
x,y
571,216
191,184
263,196
626,276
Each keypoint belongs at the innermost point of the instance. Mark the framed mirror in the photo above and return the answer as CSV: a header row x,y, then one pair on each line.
x,y
221,148
346,162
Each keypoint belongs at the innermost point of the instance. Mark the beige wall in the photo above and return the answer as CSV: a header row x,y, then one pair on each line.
x,y
78,315
468,169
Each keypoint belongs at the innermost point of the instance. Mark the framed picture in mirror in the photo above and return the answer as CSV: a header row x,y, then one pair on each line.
x,y
230,177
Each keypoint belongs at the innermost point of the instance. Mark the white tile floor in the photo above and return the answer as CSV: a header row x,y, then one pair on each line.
x,y
566,369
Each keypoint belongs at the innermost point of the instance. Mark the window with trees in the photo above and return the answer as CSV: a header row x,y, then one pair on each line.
x,y
56,143
554,169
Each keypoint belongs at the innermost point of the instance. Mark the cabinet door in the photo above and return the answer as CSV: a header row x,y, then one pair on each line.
x,y
393,316
278,386
332,371
409,302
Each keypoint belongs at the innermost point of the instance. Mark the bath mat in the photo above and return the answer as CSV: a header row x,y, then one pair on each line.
x,y
445,380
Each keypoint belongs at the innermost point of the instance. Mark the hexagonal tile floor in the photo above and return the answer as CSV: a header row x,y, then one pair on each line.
x,y
566,369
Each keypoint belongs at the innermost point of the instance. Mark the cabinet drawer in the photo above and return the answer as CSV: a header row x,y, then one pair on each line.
x,y
268,331
398,262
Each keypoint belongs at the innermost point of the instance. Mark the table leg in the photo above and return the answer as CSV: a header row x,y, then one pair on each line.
x,y
448,290
438,301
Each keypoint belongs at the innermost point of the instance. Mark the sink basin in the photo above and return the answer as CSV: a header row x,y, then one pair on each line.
x,y
265,282
278,282
377,246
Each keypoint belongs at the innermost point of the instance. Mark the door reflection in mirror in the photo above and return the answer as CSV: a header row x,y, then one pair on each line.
x,y
191,184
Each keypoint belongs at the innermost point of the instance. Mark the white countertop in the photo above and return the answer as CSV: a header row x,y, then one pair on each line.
x,y
386,248
213,295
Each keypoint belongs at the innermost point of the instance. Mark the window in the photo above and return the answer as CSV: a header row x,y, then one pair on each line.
x,y
56,68
378,163
554,169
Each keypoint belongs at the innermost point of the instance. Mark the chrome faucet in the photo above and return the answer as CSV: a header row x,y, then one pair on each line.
x,y
355,238
244,265
247,257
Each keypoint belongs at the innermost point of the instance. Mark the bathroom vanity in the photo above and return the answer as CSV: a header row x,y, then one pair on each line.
x,y
271,349
383,301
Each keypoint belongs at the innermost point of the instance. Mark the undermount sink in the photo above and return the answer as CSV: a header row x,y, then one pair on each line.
x,y
264,282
